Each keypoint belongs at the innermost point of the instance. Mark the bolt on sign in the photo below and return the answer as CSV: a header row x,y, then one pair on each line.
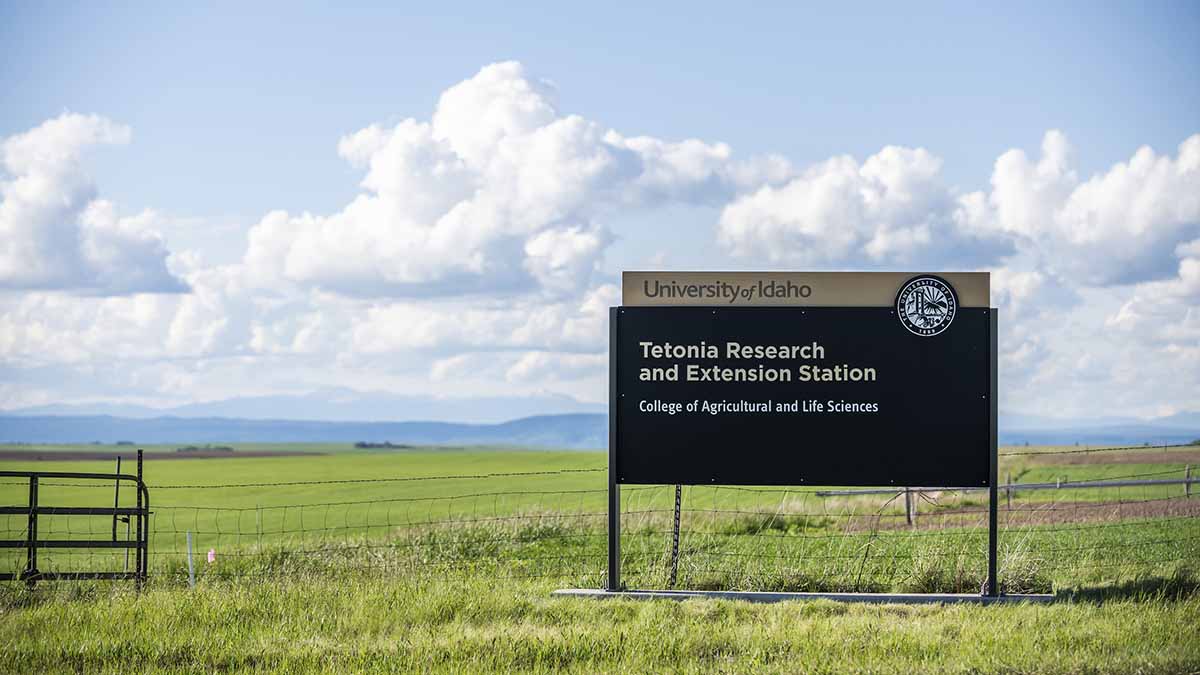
x,y
796,378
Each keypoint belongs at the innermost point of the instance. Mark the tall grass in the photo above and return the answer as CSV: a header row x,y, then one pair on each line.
x,y
454,576
467,621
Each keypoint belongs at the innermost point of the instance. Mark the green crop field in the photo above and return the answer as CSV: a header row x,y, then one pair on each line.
x,y
443,559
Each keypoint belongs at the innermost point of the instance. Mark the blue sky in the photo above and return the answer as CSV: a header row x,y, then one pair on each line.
x,y
233,113
251,102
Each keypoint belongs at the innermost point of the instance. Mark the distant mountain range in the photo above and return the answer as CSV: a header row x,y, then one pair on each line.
x,y
572,431
1014,422
578,431
1179,428
341,405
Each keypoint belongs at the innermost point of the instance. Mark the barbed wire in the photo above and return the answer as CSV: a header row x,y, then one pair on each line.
x,y
332,481
561,472
764,537
1074,450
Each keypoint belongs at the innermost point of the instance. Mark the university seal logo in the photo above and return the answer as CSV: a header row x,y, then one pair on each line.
x,y
926,305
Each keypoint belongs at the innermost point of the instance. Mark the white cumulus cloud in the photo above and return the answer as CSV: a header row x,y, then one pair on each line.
x,y
1167,312
472,260
498,193
891,209
1117,227
55,233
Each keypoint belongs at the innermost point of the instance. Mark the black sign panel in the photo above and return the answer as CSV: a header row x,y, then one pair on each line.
x,y
800,396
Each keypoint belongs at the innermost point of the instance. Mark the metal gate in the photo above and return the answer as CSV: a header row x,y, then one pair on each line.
x,y
138,514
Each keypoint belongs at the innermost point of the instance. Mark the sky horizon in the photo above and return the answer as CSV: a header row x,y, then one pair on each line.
x,y
200,204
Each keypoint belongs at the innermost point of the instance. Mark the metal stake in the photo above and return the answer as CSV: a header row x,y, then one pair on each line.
x,y
191,566
675,537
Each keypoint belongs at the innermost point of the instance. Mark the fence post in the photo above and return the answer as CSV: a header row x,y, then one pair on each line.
x,y
191,565
117,505
143,527
1008,490
1187,481
910,515
258,524
675,537
31,569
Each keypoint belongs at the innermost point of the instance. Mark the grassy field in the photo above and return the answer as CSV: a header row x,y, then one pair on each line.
x,y
469,623
368,570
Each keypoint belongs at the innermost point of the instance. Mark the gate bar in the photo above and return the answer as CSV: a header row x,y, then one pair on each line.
x,y
35,544
69,511
67,576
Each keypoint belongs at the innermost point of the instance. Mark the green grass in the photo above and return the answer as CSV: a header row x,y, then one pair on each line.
x,y
748,538
469,623
346,465
454,575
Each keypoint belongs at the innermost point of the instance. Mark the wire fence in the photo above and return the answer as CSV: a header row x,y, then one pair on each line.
x,y
1105,526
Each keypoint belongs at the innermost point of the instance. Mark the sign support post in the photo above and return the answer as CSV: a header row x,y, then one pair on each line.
x,y
614,487
993,586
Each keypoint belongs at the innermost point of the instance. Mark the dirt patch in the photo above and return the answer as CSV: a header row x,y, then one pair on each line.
x,y
1034,514
130,455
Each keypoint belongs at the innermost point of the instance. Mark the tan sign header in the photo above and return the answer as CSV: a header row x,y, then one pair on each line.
x,y
805,289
